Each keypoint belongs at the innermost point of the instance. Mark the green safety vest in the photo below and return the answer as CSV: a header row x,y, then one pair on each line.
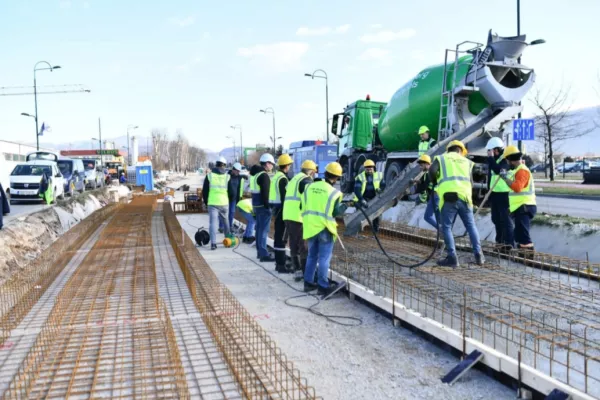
x,y
363,179
48,195
454,175
501,186
318,203
241,191
525,196
291,205
246,206
424,196
274,193
254,188
217,194
424,146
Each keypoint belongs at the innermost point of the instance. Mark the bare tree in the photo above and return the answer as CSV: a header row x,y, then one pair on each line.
x,y
175,154
556,122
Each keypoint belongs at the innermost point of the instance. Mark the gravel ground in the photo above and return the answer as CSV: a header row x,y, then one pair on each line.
x,y
386,362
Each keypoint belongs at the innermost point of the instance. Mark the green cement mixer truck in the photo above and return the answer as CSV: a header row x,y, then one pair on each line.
x,y
475,82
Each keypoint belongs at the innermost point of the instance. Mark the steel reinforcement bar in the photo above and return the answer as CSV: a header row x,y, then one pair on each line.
x,y
261,369
109,334
551,320
23,289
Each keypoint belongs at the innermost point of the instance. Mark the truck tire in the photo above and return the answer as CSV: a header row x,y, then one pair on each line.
x,y
347,181
392,171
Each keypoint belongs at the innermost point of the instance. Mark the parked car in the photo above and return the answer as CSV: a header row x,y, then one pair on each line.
x,y
94,176
26,178
74,175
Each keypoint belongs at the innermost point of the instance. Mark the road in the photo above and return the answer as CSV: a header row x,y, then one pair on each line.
x,y
572,207
23,209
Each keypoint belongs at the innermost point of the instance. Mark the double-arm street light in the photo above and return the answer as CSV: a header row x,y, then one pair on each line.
x,y
129,143
234,127
48,67
323,76
269,110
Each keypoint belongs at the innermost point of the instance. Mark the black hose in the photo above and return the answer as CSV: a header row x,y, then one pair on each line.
x,y
410,266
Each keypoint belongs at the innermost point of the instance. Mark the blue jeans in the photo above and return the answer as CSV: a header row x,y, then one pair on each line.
x,y
320,248
263,223
249,224
231,214
432,214
217,213
449,212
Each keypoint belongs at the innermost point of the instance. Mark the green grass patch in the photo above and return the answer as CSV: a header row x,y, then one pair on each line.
x,y
572,191
591,225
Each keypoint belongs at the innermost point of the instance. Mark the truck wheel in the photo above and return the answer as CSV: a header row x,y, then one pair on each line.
x,y
347,181
393,171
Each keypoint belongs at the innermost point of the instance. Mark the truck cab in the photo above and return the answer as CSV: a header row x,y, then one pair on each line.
x,y
356,129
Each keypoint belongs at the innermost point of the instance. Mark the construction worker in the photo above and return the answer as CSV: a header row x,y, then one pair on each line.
x,y
426,142
499,197
451,172
47,188
522,202
293,217
122,179
4,205
245,207
321,203
260,185
236,191
277,194
366,186
216,195
424,187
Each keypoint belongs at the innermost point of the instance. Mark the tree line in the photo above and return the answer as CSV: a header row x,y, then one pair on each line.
x,y
175,152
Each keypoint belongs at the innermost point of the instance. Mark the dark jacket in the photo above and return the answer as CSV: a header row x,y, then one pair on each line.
x,y
495,166
4,205
264,183
369,188
233,189
283,182
206,185
424,185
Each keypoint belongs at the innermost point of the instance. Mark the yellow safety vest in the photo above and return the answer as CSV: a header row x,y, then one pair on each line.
x,y
363,179
525,196
318,203
254,188
454,175
501,186
217,194
274,193
241,191
291,205
246,206
424,146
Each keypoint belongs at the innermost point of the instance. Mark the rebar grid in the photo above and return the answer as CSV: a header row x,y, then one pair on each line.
x,y
259,366
512,308
109,333
22,290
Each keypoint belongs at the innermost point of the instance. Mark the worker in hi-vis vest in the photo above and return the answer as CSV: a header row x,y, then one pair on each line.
x,y
260,186
424,188
277,194
522,202
366,186
216,195
245,207
426,142
293,218
321,203
236,191
499,202
451,172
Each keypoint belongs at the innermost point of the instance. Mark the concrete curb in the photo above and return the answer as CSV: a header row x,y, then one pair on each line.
x,y
570,196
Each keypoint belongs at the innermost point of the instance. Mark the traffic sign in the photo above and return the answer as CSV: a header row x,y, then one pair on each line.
x,y
523,129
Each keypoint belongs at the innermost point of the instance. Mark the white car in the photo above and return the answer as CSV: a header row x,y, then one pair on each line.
x,y
26,178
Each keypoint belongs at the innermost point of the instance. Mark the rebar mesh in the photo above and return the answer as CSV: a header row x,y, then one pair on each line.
x,y
260,368
109,333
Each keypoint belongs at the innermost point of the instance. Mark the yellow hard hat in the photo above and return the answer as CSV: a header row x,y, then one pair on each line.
x,y
423,130
334,168
458,143
284,159
308,164
369,163
424,158
510,150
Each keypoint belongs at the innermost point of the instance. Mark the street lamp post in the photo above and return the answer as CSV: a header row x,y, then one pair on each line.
x,y
324,76
269,110
274,140
35,69
128,143
234,127
233,140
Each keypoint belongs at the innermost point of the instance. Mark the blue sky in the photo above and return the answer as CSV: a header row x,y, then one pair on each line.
x,y
203,66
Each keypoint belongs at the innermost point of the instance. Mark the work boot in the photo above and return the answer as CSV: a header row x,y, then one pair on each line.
x,y
284,269
298,270
220,230
310,287
449,261
213,246
479,259
267,259
328,291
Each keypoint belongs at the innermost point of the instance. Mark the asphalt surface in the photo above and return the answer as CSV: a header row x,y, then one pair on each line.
x,y
23,209
571,207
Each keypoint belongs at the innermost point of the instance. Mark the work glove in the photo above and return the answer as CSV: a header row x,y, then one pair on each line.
x,y
503,173
362,203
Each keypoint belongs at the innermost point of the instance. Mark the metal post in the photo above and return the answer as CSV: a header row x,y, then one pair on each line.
x,y
100,143
519,143
128,152
274,136
327,106
241,147
37,132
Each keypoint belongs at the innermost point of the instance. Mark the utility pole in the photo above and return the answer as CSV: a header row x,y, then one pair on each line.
x,y
35,69
324,76
100,142
519,143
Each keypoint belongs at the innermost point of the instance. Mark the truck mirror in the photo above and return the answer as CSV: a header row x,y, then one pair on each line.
x,y
334,125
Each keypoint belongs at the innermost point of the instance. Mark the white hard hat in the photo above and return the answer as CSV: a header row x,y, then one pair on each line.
x,y
493,143
237,166
222,160
267,157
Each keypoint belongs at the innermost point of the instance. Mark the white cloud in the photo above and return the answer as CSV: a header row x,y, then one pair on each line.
x,y
305,31
374,53
182,22
342,28
64,4
388,36
276,55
